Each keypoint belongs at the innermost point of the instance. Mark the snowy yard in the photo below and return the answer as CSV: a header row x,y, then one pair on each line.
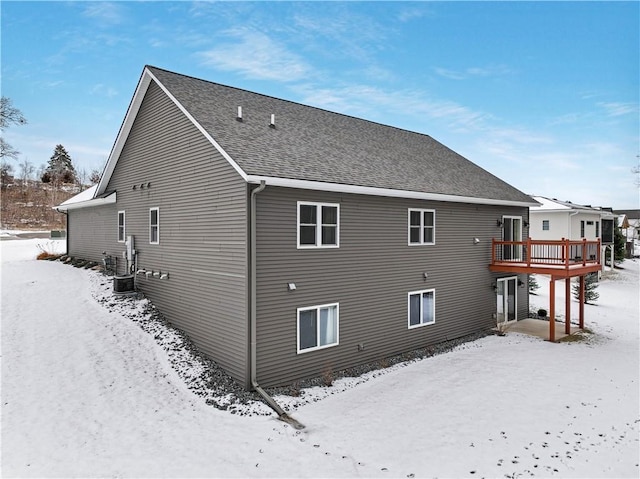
x,y
87,393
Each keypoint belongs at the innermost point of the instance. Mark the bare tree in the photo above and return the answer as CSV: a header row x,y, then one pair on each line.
x,y
26,170
9,115
81,178
94,177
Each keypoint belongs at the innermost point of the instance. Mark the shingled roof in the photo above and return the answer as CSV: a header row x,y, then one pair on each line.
x,y
315,148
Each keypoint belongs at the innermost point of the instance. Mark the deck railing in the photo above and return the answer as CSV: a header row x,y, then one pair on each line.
x,y
559,253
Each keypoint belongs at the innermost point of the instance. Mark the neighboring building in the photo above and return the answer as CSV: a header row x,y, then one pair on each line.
x,y
554,219
629,224
286,240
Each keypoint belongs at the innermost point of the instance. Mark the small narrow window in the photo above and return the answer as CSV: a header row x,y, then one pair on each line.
x,y
545,225
318,225
317,327
582,229
422,226
121,227
422,308
597,229
154,225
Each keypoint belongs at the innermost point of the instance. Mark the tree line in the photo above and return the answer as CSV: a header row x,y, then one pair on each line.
x,y
59,170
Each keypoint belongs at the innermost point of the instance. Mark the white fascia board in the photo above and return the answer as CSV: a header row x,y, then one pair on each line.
x,y
125,129
87,204
374,191
129,119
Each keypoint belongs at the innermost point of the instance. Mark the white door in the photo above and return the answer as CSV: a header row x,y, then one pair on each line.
x,y
507,300
512,231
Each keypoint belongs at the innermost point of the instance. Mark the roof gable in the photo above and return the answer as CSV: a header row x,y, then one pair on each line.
x,y
312,148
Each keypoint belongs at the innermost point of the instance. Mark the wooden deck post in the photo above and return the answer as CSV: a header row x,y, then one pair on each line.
x,y
552,310
567,301
581,299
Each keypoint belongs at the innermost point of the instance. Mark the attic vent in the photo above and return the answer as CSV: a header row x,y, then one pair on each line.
x,y
272,124
239,117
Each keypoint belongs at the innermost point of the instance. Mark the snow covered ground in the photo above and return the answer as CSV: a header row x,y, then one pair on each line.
x,y
86,392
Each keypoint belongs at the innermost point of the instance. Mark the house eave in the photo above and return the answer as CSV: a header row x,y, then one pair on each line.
x,y
106,200
375,191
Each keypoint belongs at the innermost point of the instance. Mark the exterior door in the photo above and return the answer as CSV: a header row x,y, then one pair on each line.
x,y
506,299
512,231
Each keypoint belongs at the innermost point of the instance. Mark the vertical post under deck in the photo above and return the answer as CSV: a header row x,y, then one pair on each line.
x,y
581,299
552,310
567,301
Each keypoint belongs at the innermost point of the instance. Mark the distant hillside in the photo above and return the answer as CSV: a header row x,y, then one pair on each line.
x,y
29,205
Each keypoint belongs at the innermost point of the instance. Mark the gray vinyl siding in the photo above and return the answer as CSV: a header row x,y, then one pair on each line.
x,y
370,276
202,205
92,231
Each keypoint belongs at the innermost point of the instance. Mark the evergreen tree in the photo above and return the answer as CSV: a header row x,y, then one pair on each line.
x,y
619,245
533,284
60,168
590,285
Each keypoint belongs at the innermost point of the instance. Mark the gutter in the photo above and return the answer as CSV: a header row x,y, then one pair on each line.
x,y
282,415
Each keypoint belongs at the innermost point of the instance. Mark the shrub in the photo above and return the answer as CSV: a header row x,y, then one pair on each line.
x,y
542,313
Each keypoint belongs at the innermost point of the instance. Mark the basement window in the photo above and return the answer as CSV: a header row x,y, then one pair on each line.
x,y
317,327
422,308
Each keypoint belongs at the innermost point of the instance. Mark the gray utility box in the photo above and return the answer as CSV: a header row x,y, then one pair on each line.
x,y
123,284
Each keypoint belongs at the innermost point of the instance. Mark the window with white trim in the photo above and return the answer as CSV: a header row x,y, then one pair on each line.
x,y
318,225
597,229
422,226
317,327
422,308
545,225
154,225
121,227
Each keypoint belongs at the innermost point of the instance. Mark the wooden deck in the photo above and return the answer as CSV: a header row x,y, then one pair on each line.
x,y
560,259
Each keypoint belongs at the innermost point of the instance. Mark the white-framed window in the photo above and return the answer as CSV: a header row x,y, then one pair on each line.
x,y
581,228
154,225
318,327
597,229
318,225
422,308
545,225
121,227
422,226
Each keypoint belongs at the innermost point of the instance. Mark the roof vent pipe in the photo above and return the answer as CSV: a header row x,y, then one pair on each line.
x,y
239,117
272,124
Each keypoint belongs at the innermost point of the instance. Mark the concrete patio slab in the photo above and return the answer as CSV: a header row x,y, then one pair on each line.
x,y
538,328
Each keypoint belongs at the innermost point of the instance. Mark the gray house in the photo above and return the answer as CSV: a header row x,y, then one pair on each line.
x,y
286,239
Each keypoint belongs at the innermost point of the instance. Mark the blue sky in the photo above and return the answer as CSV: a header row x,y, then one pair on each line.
x,y
542,94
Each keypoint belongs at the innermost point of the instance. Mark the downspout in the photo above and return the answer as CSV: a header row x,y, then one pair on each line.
x,y
570,215
282,415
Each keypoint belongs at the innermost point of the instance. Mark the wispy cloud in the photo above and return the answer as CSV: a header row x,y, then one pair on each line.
x,y
413,12
474,72
109,12
103,90
618,108
256,55
368,101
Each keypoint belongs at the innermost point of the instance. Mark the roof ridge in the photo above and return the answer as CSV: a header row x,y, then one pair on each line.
x,y
297,103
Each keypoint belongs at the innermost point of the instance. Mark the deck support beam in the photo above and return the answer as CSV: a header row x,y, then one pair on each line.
x,y
581,299
567,302
552,310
